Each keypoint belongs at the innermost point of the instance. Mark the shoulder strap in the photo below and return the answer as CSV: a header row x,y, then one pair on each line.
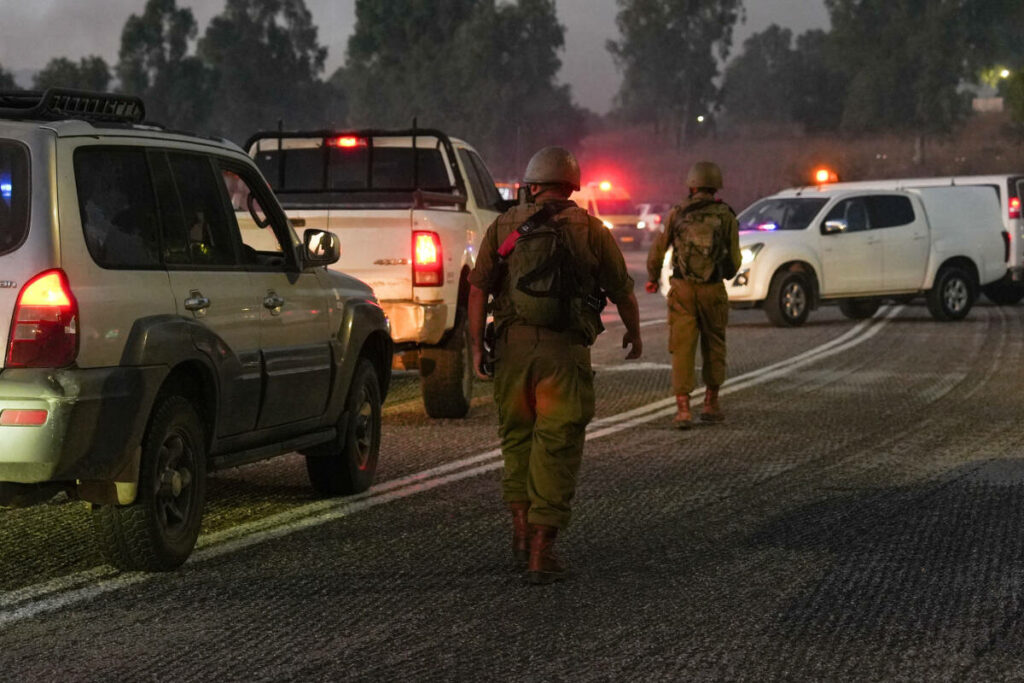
x,y
536,220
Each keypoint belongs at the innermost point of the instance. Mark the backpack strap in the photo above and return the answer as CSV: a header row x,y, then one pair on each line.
x,y
536,220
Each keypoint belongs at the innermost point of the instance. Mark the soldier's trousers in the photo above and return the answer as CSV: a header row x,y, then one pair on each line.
x,y
697,311
544,389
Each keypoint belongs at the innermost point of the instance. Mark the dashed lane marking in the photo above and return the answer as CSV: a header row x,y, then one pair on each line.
x,y
50,596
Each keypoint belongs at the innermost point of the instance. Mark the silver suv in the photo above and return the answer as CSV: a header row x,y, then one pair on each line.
x,y
163,320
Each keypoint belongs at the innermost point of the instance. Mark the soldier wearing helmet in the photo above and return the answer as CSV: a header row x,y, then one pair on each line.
x,y
547,266
704,236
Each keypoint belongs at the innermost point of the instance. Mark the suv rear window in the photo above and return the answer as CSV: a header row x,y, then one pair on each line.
x,y
14,194
615,207
118,209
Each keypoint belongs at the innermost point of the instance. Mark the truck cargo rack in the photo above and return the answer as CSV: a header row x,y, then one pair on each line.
x,y
369,195
59,104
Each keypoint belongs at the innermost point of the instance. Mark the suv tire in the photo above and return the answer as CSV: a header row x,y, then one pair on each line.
x,y
1004,294
347,465
952,295
789,299
446,374
159,530
859,309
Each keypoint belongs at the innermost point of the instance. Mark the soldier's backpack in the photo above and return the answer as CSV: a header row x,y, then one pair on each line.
x,y
547,287
700,243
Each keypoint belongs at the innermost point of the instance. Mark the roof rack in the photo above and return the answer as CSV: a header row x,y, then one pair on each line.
x,y
57,104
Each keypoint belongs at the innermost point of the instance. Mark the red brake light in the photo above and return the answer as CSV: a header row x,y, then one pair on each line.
x,y
347,142
22,418
44,331
427,259
1014,207
657,219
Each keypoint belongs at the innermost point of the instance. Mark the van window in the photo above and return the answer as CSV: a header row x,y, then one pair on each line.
x,y
785,213
853,211
889,211
117,206
491,196
14,194
614,207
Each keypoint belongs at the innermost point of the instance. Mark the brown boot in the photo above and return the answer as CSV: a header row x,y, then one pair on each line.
x,y
544,566
520,533
712,412
683,418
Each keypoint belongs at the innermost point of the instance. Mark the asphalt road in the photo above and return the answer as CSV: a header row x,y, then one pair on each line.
x,y
858,517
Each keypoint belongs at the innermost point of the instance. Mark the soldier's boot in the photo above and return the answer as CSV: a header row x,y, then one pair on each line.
x,y
520,534
683,418
544,566
712,412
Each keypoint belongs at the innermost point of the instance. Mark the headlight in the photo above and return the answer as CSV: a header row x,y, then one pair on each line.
x,y
749,253
608,225
641,225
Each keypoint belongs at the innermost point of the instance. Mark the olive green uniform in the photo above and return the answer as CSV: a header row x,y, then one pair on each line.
x,y
697,310
544,384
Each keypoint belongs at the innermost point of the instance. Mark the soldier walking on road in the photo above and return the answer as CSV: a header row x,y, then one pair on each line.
x,y
549,266
704,236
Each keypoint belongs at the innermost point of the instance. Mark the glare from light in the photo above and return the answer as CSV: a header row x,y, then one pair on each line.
x,y
605,186
641,225
5,190
608,225
1005,73
749,253
700,119
822,175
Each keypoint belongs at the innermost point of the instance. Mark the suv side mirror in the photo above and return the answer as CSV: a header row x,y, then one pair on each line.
x,y
322,248
834,227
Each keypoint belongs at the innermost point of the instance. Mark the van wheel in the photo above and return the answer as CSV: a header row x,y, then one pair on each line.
x,y
859,309
789,299
446,375
159,530
1003,293
952,295
348,464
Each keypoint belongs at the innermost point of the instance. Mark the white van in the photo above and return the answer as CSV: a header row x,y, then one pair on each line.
x,y
860,246
1009,193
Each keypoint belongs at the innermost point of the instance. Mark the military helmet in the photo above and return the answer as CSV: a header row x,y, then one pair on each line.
x,y
704,174
553,165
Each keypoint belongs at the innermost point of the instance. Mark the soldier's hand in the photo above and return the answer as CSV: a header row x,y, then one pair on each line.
x,y
651,287
478,365
635,345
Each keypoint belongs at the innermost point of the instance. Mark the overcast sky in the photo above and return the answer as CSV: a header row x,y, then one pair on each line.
x,y
34,31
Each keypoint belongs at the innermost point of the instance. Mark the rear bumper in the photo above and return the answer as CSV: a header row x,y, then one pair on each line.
x,y
94,425
417,323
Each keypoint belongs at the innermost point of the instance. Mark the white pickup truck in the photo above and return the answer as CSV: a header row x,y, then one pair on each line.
x,y
410,208
860,247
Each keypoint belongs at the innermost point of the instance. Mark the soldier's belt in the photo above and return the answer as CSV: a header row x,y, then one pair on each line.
x,y
532,333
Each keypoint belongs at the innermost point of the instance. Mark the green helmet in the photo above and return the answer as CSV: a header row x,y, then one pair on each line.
x,y
553,165
704,174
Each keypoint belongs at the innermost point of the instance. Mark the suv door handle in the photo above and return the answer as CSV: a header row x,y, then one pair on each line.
x,y
196,302
273,301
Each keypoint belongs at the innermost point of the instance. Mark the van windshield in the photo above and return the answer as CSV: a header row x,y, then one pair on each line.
x,y
790,213
14,194
615,207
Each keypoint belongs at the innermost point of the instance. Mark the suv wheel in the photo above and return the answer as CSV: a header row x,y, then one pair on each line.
x,y
952,295
347,466
859,309
446,374
158,531
789,299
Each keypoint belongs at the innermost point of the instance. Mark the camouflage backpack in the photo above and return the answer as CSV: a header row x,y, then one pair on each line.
x,y
699,242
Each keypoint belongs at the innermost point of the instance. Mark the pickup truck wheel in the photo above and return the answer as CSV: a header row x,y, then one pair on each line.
x,y
789,299
348,464
1003,293
159,530
952,295
859,309
446,375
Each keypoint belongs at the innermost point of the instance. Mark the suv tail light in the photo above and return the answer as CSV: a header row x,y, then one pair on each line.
x,y
44,331
1014,207
427,261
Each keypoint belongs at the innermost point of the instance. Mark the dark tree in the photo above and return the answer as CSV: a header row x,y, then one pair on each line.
x,y
7,80
759,84
90,73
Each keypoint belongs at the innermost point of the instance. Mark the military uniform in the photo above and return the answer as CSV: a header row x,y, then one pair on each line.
x,y
544,384
698,309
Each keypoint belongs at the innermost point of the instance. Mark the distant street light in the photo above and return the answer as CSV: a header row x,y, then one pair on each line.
x,y
700,119
1005,73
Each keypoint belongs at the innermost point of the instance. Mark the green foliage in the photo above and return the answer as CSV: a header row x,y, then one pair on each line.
x,y
1013,95
7,80
668,52
820,85
90,73
154,63
266,62
759,84
477,69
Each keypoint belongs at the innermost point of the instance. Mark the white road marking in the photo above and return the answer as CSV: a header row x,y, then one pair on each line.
x,y
49,596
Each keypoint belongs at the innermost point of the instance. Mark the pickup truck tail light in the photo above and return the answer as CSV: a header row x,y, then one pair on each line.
x,y
1014,207
44,331
427,259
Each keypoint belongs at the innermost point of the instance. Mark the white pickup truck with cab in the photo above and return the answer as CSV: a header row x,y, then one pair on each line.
x,y
410,208
860,247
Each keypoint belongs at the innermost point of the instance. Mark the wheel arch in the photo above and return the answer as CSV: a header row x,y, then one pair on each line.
x,y
964,262
801,266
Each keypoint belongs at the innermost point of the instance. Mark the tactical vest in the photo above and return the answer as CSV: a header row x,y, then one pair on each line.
x,y
700,240
547,271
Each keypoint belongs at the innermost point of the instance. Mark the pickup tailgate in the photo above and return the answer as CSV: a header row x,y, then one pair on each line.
x,y
376,246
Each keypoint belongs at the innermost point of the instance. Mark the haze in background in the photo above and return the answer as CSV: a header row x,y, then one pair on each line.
x,y
32,33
